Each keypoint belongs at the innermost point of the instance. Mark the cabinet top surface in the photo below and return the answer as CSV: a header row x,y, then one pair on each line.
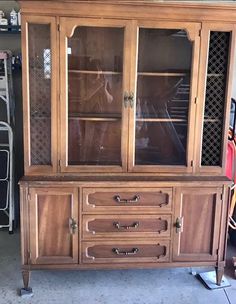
x,y
109,178
183,3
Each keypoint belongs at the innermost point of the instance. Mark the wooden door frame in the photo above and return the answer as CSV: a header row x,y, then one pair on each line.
x,y
33,225
67,27
180,191
29,168
192,30
207,27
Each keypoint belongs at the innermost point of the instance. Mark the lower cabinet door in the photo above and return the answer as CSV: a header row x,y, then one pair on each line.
x,y
197,224
53,225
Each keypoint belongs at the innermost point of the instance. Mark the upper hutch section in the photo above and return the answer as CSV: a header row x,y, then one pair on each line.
x,y
127,86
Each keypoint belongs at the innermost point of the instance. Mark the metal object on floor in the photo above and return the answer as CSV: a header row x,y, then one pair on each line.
x,y
6,86
209,280
6,176
7,121
26,292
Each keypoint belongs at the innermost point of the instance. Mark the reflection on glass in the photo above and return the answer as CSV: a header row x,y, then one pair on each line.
x,y
163,93
95,75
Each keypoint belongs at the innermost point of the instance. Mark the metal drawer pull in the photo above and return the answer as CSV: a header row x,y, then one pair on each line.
x,y
131,100
118,199
132,252
163,204
161,255
72,225
119,226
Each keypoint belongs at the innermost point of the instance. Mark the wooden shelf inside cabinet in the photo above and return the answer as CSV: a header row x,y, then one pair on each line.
x,y
95,72
95,117
10,29
163,74
161,119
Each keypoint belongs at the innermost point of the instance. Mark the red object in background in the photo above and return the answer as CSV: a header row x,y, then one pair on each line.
x,y
231,161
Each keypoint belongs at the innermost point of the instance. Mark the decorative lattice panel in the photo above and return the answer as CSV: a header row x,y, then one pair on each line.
x,y
215,98
40,93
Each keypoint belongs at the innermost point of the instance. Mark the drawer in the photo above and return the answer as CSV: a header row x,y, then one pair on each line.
x,y
121,199
123,251
95,226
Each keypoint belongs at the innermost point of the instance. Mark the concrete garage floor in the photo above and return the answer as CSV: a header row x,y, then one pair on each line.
x,y
162,286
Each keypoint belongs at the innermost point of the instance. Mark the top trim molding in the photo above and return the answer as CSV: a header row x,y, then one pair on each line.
x,y
195,11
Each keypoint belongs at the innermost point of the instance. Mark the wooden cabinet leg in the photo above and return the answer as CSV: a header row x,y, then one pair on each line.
x,y
26,278
219,274
26,291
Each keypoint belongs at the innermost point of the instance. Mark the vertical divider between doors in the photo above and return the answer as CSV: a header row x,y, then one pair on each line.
x,y
192,123
58,121
133,87
63,99
54,101
75,215
126,89
201,95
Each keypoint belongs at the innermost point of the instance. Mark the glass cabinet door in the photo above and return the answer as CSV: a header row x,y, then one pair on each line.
x,y
95,82
164,92
39,76
215,91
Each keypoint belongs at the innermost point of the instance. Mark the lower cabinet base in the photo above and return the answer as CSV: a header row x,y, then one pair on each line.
x,y
80,225
27,269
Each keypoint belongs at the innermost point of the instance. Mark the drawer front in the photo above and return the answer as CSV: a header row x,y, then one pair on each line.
x,y
108,199
95,226
121,252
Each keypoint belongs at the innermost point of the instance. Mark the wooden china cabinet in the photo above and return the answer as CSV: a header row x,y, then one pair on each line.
x,y
126,112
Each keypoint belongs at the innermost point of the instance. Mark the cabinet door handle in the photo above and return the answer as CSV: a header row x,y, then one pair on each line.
x,y
72,225
179,224
123,252
126,227
135,199
126,99
131,100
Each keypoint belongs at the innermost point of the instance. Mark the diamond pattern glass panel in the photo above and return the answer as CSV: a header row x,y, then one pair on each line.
x,y
215,98
40,93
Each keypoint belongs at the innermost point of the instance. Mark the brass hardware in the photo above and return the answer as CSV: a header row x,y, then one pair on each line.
x,y
163,204
123,252
179,224
163,230
126,99
131,100
72,225
164,253
135,199
127,227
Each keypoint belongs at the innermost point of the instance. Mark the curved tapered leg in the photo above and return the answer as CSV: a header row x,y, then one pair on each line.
x,y
26,290
219,274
